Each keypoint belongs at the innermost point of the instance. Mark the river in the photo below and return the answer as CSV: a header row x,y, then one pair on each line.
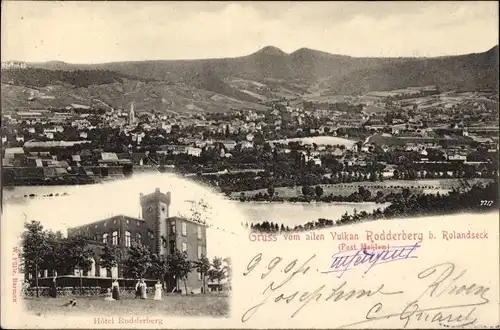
x,y
293,214
290,214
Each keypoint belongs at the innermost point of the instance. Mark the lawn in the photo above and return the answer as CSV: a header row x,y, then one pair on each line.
x,y
171,305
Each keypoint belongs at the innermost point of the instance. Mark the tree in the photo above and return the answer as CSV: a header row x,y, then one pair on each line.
x,y
270,191
306,190
216,273
180,267
345,218
78,255
228,268
406,193
160,266
199,211
318,190
202,267
110,257
34,249
364,193
55,258
138,260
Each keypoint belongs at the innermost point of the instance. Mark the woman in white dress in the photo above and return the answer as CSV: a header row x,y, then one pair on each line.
x,y
144,290
109,295
158,290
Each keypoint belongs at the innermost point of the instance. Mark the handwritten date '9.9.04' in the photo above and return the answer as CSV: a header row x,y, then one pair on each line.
x,y
440,281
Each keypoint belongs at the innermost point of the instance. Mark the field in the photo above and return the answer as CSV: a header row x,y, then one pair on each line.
x,y
428,186
161,96
174,305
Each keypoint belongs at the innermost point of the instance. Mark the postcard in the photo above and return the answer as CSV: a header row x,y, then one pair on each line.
x,y
250,165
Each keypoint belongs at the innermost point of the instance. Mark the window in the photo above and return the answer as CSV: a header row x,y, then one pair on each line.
x,y
127,239
105,223
199,232
184,247
115,238
172,227
128,221
105,238
138,223
172,246
163,208
184,229
200,251
138,237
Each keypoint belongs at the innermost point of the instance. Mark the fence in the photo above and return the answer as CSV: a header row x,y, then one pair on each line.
x,y
100,292
76,291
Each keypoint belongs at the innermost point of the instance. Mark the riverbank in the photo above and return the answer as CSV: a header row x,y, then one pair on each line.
x,y
478,199
387,187
331,192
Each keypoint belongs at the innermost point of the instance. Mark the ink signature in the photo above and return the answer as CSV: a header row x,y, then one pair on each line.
x,y
443,279
335,294
445,284
346,260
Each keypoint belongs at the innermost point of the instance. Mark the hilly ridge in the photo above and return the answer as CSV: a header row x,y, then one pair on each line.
x,y
304,65
271,73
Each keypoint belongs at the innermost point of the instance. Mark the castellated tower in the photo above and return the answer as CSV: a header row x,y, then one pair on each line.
x,y
156,229
155,211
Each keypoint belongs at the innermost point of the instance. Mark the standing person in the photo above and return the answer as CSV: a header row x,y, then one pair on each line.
x,y
158,290
143,289
53,288
116,290
26,286
137,289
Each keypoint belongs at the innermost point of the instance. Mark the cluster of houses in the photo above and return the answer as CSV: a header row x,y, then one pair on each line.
x,y
14,65
60,138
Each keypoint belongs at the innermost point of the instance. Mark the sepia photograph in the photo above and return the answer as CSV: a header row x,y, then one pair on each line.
x,y
125,247
152,150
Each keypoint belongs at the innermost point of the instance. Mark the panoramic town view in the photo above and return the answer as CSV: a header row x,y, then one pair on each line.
x,y
298,139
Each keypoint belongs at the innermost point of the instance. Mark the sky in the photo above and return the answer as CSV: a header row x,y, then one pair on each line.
x,y
96,32
121,197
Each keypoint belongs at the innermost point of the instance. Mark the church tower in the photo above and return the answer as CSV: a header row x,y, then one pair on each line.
x,y
131,115
155,211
